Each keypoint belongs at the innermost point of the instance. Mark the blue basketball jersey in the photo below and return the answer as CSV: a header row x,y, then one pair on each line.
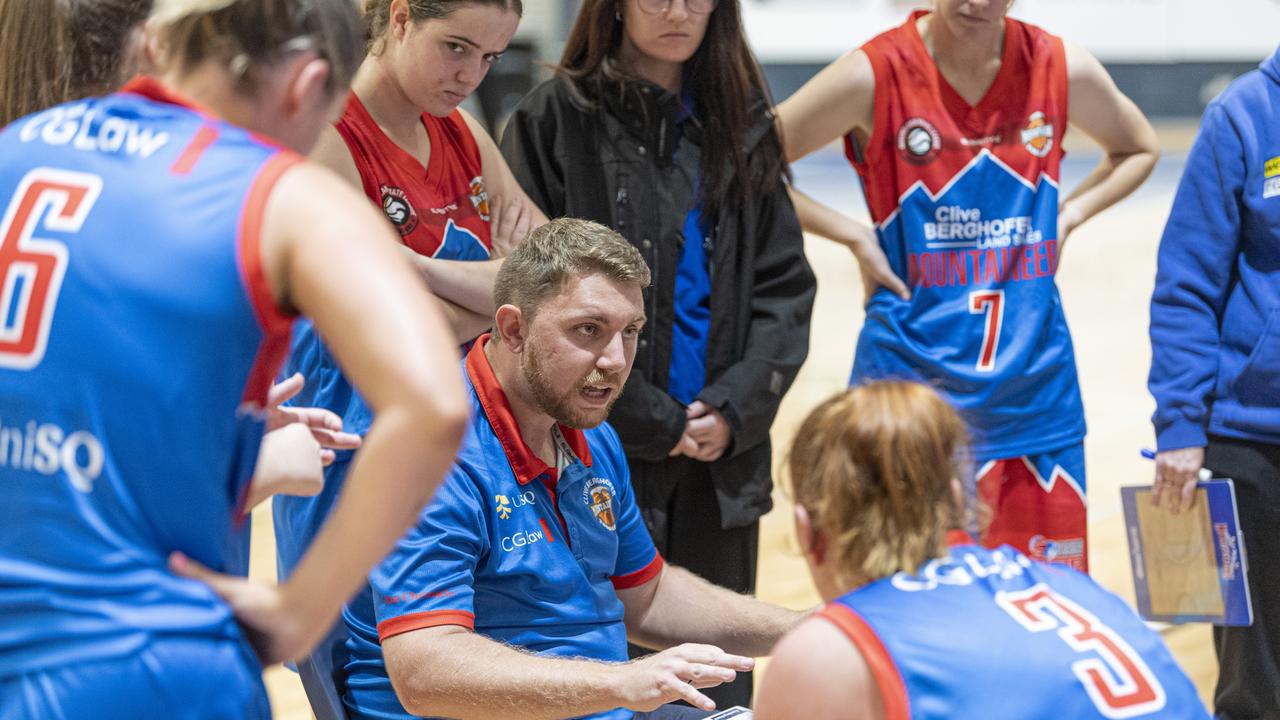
x,y
965,203
138,340
989,633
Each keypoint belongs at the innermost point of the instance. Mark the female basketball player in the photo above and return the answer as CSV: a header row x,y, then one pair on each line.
x,y
659,126
158,243
954,121
922,623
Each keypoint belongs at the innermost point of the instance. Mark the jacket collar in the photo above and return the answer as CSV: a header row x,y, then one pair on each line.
x,y
497,410
152,88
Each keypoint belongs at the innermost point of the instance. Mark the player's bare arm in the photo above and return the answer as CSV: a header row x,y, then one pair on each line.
x,y
398,350
678,606
451,671
838,100
816,672
1097,108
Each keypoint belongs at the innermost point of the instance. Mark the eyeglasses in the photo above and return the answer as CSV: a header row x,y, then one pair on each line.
x,y
697,7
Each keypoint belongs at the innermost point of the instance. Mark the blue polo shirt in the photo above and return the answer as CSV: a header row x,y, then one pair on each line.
x,y
510,548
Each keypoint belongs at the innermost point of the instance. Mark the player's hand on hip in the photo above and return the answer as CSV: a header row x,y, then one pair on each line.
x,y
1176,474
274,633
709,429
873,265
678,673
325,426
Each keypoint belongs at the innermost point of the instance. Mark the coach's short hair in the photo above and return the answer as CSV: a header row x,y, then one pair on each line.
x,y
563,249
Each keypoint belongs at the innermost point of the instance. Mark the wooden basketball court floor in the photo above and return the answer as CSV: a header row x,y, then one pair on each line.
x,y
1106,277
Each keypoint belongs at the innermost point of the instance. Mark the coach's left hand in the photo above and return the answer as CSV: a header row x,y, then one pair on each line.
x,y
707,426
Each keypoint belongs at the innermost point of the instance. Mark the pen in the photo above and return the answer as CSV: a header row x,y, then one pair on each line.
x,y
1205,473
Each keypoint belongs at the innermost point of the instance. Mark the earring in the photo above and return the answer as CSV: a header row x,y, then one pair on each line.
x,y
617,14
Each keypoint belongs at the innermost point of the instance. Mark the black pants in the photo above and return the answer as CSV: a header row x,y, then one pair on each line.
x,y
686,529
1249,657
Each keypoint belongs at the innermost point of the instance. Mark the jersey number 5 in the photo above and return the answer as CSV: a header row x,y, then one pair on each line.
x,y
990,302
1116,678
31,268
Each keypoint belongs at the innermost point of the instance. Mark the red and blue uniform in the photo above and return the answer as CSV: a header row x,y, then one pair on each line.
x,y
965,204
517,551
981,629
441,211
138,341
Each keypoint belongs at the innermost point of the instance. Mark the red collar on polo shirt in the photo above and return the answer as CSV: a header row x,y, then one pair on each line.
x,y
956,536
493,400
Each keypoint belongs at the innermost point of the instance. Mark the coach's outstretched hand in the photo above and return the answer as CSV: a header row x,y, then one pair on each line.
x,y
276,631
677,674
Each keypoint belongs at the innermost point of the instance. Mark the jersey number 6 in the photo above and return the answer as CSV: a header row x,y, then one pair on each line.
x,y
1116,678
31,268
990,302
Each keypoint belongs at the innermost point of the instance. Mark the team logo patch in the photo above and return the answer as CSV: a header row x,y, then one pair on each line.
x,y
918,141
1037,136
504,506
1069,551
1271,178
598,494
480,197
398,209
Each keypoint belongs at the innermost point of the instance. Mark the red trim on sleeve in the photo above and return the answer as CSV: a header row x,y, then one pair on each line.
x,y
641,576
422,620
893,692
186,162
275,324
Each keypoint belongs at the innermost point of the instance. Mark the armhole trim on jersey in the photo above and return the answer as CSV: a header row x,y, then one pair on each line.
x,y
422,620
274,323
186,162
893,692
641,576
873,149
1063,83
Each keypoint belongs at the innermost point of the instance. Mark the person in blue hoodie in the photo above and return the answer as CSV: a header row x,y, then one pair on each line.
x,y
1215,348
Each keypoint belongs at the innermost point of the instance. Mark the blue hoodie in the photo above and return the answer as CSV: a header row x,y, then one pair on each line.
x,y
1215,314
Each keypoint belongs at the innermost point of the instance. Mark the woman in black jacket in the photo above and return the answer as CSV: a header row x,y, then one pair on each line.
x,y
658,124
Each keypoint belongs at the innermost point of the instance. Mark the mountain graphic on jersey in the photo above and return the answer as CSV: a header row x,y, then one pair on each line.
x,y
964,196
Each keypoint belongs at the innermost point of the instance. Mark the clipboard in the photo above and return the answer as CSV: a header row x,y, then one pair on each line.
x,y
1190,567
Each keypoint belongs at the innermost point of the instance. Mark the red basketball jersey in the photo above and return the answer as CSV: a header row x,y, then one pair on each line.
x,y
441,210
965,203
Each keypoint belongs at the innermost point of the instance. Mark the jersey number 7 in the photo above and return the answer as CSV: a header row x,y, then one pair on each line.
x,y
990,302
1116,678
31,268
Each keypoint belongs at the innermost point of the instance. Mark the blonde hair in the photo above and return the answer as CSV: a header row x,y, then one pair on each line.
x,y
244,34
873,467
558,251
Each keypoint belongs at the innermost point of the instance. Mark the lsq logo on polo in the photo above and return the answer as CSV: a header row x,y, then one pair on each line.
x,y
598,494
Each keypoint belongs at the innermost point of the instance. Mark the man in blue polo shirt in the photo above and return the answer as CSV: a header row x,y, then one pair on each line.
x,y
516,592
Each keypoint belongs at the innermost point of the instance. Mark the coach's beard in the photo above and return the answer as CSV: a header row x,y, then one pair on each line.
x,y
561,407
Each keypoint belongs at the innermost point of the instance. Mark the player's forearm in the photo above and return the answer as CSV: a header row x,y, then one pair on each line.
x,y
466,324
464,675
468,283
686,608
404,457
1114,178
821,219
